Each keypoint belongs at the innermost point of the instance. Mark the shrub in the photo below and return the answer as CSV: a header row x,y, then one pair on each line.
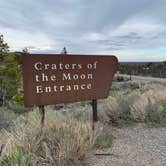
x,y
140,108
105,137
60,142
17,158
156,115
120,78
127,106
116,111
7,118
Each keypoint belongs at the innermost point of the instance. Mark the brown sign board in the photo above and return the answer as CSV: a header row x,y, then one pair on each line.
x,y
54,78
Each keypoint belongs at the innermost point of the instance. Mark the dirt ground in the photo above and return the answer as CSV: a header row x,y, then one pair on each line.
x,y
134,146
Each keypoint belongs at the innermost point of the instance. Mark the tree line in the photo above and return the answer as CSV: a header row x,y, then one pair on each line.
x,y
152,69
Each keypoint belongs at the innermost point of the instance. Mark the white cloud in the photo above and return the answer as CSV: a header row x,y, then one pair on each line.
x,y
18,40
93,36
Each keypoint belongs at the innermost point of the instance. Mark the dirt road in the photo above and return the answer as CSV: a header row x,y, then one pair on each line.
x,y
144,79
135,146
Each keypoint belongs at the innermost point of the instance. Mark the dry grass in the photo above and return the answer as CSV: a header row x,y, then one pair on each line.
x,y
61,142
128,106
146,101
6,118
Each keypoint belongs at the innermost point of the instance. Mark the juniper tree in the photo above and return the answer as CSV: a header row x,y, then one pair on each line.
x,y
10,74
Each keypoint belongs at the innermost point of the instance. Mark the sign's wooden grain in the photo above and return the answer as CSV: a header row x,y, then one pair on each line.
x,y
52,78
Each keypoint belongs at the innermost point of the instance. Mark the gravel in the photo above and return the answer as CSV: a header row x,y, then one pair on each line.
x,y
134,146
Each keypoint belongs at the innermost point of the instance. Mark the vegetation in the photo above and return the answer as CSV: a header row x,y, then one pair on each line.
x,y
131,103
156,69
67,137
60,142
156,114
105,138
10,75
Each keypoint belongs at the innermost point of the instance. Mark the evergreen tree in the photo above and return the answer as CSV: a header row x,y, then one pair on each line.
x,y
10,74
64,51
4,48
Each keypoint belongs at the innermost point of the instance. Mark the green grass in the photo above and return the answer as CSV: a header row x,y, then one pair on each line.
x,y
105,138
107,144
17,158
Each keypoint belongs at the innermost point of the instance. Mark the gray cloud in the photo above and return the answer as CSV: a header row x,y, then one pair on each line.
x,y
82,15
66,21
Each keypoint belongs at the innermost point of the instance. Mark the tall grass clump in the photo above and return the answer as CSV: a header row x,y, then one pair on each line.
x,y
156,114
105,137
116,111
60,142
6,118
140,104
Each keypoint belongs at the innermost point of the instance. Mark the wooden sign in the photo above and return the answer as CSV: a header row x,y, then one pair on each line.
x,y
52,78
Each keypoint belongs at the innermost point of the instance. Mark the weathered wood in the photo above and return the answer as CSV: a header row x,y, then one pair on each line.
x,y
42,114
94,113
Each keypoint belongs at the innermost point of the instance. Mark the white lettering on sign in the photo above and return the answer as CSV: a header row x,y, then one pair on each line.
x,y
44,78
42,75
69,76
38,66
41,66
41,89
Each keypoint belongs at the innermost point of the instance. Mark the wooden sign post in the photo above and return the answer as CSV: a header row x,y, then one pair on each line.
x,y
42,114
52,79
94,113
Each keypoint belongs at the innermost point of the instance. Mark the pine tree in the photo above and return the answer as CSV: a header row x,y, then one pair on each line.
x,y
4,48
64,51
10,74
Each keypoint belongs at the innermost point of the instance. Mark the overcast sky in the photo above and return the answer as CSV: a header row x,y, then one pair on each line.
x,y
134,30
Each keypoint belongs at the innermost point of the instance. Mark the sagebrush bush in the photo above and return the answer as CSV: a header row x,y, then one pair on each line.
x,y
120,78
115,111
140,108
156,115
126,106
7,118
